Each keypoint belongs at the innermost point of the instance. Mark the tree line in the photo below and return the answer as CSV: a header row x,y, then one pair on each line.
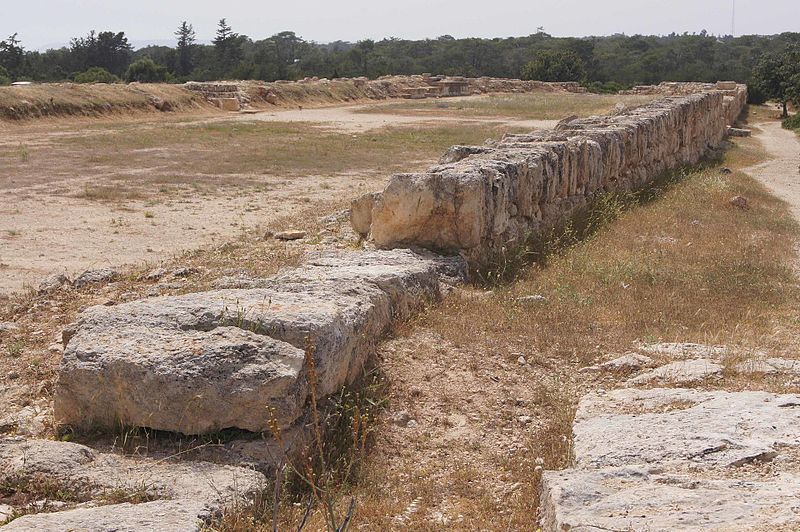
x,y
602,63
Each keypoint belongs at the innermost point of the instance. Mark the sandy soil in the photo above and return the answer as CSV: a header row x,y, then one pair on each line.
x,y
46,227
781,173
347,118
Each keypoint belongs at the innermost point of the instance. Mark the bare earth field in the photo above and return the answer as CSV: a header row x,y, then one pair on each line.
x,y
86,193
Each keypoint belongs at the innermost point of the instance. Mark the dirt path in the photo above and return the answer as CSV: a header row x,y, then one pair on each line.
x,y
781,172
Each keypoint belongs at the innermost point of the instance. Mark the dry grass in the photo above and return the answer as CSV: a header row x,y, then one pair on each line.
x,y
40,493
203,153
534,106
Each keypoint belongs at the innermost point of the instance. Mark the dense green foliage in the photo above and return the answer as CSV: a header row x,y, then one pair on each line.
x,y
626,60
5,79
777,77
145,70
555,65
96,75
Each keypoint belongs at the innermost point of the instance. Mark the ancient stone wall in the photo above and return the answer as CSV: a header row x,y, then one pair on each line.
x,y
316,90
482,200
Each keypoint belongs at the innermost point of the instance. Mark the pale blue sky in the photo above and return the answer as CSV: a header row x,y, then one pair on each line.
x,y
47,22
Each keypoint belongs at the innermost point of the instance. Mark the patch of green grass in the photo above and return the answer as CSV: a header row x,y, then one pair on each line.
x,y
16,348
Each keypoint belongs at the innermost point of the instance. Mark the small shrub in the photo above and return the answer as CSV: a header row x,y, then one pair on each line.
x,y
5,78
793,122
146,71
608,87
96,75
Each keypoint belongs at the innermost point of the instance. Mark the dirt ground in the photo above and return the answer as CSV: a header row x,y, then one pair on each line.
x,y
73,198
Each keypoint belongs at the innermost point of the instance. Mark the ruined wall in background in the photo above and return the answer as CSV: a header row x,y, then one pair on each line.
x,y
315,90
481,200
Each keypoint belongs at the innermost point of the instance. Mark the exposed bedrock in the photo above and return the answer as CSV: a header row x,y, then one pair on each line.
x,y
481,200
203,362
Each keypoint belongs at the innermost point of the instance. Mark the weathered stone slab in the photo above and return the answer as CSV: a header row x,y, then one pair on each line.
x,y
686,350
94,472
633,499
235,358
187,493
659,426
679,459
681,372
627,362
169,516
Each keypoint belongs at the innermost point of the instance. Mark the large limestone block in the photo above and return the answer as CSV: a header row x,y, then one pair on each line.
x,y
679,459
96,473
166,516
123,368
184,495
444,211
683,426
635,499
235,358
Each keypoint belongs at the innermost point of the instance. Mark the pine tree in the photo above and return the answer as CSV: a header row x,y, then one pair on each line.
x,y
186,41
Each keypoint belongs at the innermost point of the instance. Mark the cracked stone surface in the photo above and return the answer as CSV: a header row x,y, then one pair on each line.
x,y
627,427
633,499
208,361
167,516
627,362
186,493
686,350
679,459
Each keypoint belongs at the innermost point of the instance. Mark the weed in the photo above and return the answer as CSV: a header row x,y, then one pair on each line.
x,y
316,481
24,154
15,349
